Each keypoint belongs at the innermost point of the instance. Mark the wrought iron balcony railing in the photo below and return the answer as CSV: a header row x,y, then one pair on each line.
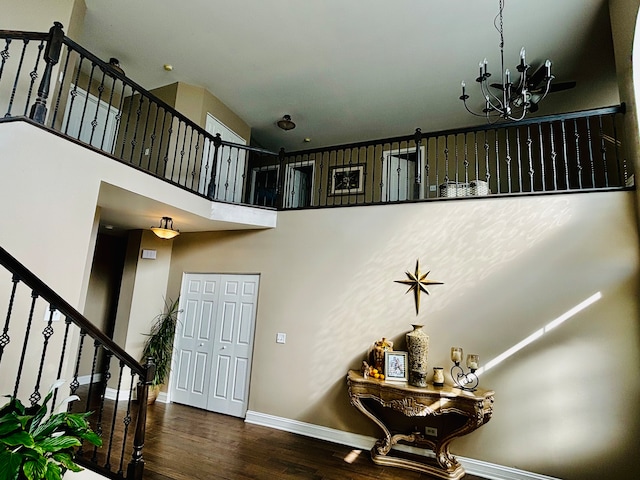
x,y
93,102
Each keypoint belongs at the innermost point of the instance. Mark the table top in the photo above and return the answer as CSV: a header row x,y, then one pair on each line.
x,y
354,377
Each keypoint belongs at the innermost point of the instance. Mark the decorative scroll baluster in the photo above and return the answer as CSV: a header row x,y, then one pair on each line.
x,y
576,135
497,144
94,122
5,339
418,166
466,160
507,144
126,421
543,172
427,188
86,101
531,171
446,159
34,297
74,94
67,325
25,44
163,160
134,139
554,157
622,175
128,121
563,130
143,151
34,77
73,386
486,161
47,333
152,142
51,57
603,151
591,159
4,55
62,82
519,159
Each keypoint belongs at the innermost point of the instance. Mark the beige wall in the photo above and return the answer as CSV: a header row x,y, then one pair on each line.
x,y
509,267
39,15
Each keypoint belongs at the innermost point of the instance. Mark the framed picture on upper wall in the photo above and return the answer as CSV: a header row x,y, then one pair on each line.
x,y
346,180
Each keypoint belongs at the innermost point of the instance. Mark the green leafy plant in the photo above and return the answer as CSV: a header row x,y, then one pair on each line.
x,y
37,444
159,344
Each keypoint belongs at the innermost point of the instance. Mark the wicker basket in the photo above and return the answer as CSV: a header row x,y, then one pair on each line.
x,y
453,189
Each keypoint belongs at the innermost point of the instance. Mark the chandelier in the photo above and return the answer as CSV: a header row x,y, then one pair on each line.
x,y
509,100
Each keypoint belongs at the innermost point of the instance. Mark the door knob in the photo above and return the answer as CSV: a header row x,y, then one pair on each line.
x,y
224,347
201,344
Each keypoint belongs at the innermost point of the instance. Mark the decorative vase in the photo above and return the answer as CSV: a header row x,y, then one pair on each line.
x,y
418,349
376,356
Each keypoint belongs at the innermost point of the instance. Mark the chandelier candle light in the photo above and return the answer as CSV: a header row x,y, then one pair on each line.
x,y
465,381
508,100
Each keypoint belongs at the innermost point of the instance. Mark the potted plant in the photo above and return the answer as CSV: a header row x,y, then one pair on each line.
x,y
159,345
36,444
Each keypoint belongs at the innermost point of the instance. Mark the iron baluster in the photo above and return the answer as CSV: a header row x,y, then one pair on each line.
x,y
465,162
4,55
519,159
427,187
12,97
63,78
118,125
591,159
5,339
175,150
576,134
67,325
107,464
530,159
554,156
106,375
86,102
128,121
143,150
74,94
163,160
34,297
543,173
126,421
616,149
153,137
94,122
134,140
73,386
47,333
497,146
563,130
446,159
603,150
507,146
34,77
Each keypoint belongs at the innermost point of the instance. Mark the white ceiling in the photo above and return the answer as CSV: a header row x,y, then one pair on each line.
x,y
352,70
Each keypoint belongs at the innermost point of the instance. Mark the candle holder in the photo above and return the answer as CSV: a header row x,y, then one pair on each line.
x,y
464,380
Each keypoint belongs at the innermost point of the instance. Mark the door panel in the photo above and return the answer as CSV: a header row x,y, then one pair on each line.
x,y
213,370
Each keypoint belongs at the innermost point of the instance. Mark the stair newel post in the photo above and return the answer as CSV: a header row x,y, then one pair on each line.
x,y
136,465
51,57
217,143
416,185
280,180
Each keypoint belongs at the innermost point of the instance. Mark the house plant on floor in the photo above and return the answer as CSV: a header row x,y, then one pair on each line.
x,y
159,345
37,444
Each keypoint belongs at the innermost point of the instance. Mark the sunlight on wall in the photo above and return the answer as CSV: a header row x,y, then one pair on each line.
x,y
539,333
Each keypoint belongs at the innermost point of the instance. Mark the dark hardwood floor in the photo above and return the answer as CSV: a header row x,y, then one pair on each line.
x,y
185,443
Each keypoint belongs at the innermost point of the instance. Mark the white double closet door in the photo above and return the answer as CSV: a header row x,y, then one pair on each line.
x,y
214,342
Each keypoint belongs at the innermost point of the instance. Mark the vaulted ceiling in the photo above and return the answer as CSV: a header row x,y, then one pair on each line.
x,y
353,70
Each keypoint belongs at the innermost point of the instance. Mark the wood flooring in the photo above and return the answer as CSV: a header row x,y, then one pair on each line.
x,y
184,443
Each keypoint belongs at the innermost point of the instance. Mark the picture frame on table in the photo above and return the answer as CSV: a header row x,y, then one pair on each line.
x,y
395,366
346,180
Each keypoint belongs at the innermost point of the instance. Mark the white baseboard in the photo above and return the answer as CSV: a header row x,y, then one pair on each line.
x,y
474,467
112,393
86,379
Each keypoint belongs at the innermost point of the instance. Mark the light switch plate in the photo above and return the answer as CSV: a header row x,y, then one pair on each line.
x,y
281,337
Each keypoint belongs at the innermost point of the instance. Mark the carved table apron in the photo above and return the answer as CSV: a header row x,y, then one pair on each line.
x,y
404,413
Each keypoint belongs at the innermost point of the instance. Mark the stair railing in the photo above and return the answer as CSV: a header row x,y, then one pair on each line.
x,y
42,339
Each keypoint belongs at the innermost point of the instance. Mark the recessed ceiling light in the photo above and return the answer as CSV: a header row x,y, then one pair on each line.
x,y
307,140
167,67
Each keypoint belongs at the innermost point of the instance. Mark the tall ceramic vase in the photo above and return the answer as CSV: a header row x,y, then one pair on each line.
x,y
418,348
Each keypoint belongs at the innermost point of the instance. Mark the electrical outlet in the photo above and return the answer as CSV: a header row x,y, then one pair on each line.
x,y
432,188
281,337
431,431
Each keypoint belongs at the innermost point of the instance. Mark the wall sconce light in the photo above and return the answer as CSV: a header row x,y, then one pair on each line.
x,y
464,381
165,230
285,123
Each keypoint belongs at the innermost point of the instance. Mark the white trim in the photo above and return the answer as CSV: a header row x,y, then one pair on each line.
x,y
86,379
112,394
487,470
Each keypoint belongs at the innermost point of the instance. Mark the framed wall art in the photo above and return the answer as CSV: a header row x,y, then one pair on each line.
x,y
395,366
346,180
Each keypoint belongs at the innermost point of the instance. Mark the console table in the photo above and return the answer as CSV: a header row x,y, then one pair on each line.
x,y
425,417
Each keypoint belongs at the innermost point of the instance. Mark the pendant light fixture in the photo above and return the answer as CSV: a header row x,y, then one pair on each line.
x,y
165,230
509,100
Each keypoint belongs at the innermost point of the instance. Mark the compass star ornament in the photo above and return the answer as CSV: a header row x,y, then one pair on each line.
x,y
418,282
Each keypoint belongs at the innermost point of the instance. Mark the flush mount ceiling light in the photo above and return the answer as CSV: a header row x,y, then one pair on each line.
x,y
165,230
285,123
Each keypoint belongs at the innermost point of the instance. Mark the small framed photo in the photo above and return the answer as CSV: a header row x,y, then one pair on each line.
x,y
346,180
395,366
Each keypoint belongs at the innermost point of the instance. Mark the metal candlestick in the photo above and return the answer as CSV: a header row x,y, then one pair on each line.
x,y
464,380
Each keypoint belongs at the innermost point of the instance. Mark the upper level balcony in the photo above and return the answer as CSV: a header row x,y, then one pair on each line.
x,y
57,83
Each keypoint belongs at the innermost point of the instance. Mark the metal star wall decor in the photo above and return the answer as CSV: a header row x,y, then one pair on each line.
x,y
418,283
